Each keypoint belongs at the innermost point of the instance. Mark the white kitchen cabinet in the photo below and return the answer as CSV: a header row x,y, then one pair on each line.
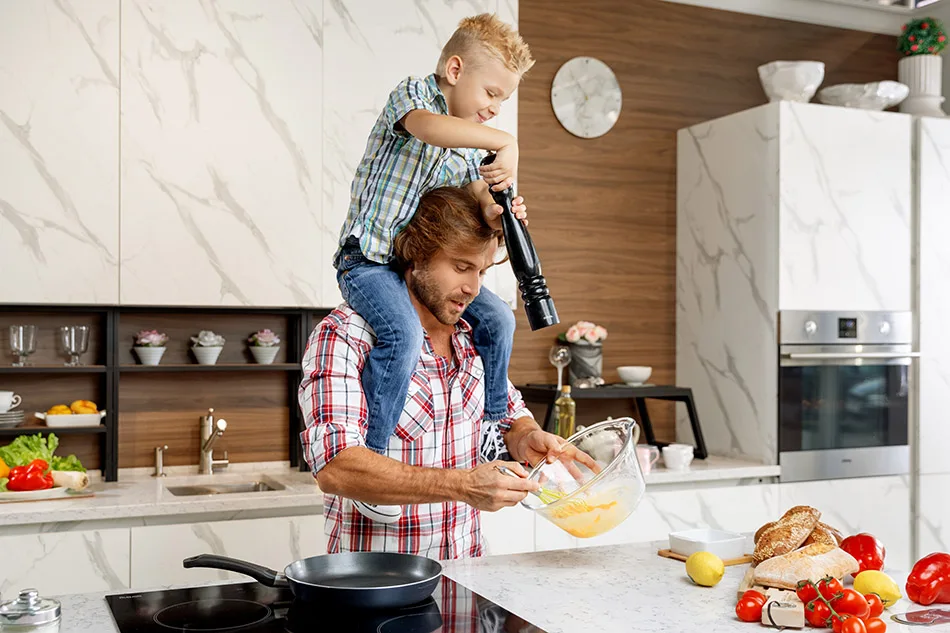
x,y
934,515
878,505
157,551
65,562
221,174
508,531
59,156
787,206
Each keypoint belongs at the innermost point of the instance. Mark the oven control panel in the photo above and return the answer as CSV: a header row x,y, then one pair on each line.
x,y
847,328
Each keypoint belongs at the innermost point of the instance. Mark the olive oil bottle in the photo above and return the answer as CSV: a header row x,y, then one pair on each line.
x,y
565,409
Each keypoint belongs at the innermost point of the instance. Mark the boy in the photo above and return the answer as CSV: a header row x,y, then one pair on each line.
x,y
429,135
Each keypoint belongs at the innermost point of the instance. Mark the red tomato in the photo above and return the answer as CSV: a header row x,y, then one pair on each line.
x,y
749,607
851,602
806,591
817,614
829,587
875,625
875,604
853,625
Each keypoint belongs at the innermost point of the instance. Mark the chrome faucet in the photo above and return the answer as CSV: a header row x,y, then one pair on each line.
x,y
211,430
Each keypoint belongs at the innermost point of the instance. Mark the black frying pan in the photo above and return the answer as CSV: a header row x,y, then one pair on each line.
x,y
376,580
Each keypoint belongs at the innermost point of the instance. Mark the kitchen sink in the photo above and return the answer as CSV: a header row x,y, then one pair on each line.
x,y
223,489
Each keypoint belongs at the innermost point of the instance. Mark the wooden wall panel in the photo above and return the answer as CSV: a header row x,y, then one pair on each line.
x,y
604,210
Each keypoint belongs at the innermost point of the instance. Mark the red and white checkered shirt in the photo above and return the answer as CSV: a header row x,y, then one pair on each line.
x,y
441,427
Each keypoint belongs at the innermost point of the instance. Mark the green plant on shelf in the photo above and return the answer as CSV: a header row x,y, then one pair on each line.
x,y
923,36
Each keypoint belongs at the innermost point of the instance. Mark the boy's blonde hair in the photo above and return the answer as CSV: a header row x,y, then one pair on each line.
x,y
486,34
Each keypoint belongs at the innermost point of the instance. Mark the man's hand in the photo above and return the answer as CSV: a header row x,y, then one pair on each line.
x,y
488,489
503,171
540,445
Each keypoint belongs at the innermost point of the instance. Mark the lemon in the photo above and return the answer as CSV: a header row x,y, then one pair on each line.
x,y
871,581
705,568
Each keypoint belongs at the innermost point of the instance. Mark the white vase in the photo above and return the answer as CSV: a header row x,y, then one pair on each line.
x,y
923,74
264,355
206,355
149,355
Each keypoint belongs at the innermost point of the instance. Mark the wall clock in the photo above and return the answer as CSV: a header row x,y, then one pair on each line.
x,y
586,97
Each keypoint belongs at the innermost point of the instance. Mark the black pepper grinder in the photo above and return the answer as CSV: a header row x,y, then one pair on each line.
x,y
538,304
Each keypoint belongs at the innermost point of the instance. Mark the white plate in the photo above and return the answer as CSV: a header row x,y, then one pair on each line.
x,y
725,545
9,424
33,495
78,419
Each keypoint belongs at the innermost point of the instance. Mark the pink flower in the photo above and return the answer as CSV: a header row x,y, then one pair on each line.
x,y
601,332
573,334
591,336
264,338
150,338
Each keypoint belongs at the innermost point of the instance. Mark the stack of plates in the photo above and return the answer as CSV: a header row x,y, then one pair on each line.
x,y
11,419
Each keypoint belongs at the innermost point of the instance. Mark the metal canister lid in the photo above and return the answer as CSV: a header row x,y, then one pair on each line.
x,y
30,608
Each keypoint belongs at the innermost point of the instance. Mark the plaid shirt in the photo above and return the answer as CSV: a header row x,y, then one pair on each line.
x,y
441,427
397,169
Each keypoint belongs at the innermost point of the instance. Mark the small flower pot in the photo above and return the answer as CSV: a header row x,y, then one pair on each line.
x,y
149,355
264,355
206,355
587,361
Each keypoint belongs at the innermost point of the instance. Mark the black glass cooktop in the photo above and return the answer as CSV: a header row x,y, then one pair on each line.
x,y
254,608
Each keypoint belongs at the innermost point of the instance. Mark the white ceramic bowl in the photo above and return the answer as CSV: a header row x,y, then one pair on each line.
x,y
74,420
791,81
634,375
725,545
877,95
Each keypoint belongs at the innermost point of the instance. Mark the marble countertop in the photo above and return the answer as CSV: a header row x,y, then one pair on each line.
x,y
612,589
148,497
713,468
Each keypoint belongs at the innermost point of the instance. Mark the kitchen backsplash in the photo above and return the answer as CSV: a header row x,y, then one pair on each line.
x,y
186,153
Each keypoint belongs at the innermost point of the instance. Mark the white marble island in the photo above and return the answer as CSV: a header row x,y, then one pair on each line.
x,y
615,589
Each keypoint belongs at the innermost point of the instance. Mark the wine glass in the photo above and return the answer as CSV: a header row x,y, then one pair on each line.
x,y
75,342
560,357
22,342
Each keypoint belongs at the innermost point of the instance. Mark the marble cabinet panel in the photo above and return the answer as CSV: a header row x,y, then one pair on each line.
x,y
59,152
508,531
933,522
65,562
157,551
933,163
845,209
221,171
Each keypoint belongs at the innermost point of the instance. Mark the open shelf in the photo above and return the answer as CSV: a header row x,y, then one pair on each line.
x,y
218,367
53,369
66,430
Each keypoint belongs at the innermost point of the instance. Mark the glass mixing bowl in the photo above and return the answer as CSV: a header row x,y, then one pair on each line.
x,y
587,502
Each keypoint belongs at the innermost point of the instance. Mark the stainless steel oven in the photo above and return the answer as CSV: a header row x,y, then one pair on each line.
x,y
843,394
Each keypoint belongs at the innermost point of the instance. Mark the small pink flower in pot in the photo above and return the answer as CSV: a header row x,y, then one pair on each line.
x,y
573,334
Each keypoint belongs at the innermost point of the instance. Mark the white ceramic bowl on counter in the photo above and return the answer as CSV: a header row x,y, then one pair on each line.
x,y
791,80
725,545
877,95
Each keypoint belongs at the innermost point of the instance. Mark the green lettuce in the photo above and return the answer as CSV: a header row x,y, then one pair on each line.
x,y
26,448
3,484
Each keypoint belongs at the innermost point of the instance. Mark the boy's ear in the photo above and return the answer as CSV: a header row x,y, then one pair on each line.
x,y
453,69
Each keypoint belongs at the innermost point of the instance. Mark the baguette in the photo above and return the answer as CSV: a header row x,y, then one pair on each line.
x,y
787,534
812,562
824,534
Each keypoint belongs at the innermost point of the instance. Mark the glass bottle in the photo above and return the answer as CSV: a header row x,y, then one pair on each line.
x,y
565,408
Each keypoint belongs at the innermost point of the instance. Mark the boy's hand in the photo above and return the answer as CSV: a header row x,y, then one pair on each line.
x,y
492,212
503,171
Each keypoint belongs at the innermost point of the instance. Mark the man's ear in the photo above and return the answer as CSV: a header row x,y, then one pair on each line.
x,y
453,69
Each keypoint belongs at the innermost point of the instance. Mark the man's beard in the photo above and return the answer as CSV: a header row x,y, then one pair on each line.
x,y
425,289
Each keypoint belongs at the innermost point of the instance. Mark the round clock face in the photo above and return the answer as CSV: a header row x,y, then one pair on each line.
x,y
586,97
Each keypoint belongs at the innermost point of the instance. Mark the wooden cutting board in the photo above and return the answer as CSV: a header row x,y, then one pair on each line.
x,y
743,560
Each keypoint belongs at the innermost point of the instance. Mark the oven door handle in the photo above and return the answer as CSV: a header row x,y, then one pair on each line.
x,y
849,356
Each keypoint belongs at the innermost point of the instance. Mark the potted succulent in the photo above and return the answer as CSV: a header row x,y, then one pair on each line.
x,y
150,346
921,68
586,341
207,347
264,346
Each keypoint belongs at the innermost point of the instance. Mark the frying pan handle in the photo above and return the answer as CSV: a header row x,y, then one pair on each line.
x,y
263,575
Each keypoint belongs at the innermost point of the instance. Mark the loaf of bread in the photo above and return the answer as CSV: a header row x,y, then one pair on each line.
x,y
758,533
824,534
786,534
813,562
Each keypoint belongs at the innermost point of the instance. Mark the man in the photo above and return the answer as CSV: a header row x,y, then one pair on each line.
x,y
438,463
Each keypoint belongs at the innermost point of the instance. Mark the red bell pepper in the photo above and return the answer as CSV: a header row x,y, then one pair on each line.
x,y
33,476
929,580
867,550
